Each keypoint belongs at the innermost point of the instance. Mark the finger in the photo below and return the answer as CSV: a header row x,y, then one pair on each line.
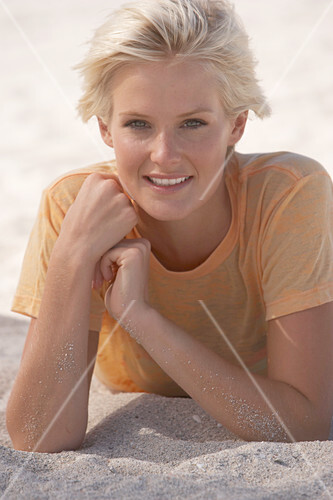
x,y
106,267
119,182
106,176
114,269
107,296
98,277
125,243
113,257
121,186
97,177
115,178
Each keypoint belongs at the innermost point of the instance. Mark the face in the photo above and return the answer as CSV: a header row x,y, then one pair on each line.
x,y
170,136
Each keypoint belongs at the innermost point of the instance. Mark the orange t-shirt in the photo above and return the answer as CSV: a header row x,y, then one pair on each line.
x,y
276,259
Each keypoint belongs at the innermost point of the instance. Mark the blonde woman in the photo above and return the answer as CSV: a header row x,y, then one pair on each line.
x,y
183,267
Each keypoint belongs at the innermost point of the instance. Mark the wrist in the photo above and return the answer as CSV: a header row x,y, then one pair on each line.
x,y
72,257
139,319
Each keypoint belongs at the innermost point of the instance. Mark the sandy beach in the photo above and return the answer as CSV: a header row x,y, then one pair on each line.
x,y
148,446
144,445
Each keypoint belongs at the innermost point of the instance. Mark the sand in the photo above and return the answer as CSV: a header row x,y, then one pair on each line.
x,y
141,445
149,446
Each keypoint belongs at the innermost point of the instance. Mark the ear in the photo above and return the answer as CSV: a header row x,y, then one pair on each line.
x,y
106,136
238,127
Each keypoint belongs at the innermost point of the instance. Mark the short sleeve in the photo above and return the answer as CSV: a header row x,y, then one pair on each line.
x,y
296,251
43,236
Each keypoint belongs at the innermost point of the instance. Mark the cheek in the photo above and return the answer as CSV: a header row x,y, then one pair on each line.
x,y
127,146
129,167
129,156
210,149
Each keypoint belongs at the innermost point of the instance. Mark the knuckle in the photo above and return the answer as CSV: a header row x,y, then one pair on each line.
x,y
132,214
112,183
142,245
107,192
102,182
146,243
105,258
117,198
110,187
134,252
94,177
122,198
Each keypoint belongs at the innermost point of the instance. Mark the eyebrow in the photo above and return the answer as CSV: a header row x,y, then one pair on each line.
x,y
189,113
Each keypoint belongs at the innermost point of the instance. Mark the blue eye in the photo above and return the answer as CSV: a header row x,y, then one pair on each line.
x,y
194,124
136,124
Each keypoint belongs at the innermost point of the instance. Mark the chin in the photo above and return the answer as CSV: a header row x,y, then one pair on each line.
x,y
166,215
170,219
167,218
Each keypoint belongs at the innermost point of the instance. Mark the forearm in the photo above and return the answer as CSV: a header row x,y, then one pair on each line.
x,y
47,409
251,406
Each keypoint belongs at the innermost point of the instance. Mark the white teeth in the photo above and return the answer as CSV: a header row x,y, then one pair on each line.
x,y
167,182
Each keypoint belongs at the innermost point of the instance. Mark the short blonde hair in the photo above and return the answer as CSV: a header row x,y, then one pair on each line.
x,y
208,31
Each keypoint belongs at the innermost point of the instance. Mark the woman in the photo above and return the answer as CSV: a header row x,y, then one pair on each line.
x,y
212,270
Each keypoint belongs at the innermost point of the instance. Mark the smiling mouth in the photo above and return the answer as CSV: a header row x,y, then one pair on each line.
x,y
167,182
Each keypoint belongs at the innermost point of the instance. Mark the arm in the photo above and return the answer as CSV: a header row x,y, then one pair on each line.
x,y
298,388
294,402
47,409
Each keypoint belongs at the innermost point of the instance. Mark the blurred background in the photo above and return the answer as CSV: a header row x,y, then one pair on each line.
x,y
42,137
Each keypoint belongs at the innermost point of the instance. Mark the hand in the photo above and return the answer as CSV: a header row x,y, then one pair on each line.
x,y
128,295
100,217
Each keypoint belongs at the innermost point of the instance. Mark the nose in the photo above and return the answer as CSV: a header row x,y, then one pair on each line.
x,y
165,150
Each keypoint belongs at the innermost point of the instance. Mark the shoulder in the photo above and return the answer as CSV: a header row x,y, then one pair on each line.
x,y
270,176
270,182
65,188
282,163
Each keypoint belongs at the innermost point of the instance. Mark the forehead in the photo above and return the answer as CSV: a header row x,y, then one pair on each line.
x,y
180,86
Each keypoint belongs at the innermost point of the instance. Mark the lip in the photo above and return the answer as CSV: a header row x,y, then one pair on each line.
x,y
167,189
